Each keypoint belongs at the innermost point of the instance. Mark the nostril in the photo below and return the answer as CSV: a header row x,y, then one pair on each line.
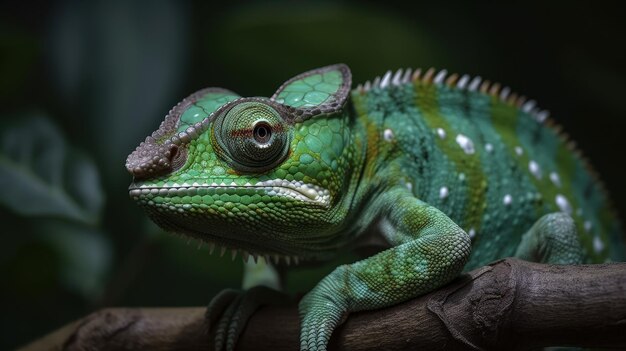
x,y
178,157
174,152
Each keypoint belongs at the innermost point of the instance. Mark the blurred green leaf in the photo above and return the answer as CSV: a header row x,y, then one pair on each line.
x,y
41,176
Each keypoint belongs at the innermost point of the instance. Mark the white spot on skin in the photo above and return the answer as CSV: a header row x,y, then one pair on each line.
x,y
465,143
443,192
563,204
534,168
388,134
461,176
519,151
472,233
598,245
441,133
588,226
555,179
409,186
507,199
488,147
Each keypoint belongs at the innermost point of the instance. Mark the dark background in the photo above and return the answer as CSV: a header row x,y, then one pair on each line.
x,y
82,83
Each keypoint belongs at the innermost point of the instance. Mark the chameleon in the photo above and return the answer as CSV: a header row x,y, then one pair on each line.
x,y
449,172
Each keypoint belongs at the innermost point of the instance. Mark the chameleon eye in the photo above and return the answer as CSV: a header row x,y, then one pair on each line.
x,y
251,136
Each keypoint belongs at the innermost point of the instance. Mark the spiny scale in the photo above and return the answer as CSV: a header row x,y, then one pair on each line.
x,y
464,82
245,255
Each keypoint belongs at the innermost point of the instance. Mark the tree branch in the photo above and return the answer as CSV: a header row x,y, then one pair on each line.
x,y
510,304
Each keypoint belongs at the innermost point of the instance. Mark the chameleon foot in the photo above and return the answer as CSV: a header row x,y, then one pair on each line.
x,y
229,311
552,239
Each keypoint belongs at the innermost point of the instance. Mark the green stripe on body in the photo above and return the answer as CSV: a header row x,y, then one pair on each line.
x,y
450,103
439,108
503,223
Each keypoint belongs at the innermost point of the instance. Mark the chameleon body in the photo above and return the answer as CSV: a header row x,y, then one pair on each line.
x,y
439,166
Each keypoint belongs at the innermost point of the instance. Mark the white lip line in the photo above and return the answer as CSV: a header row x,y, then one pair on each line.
x,y
303,191
261,187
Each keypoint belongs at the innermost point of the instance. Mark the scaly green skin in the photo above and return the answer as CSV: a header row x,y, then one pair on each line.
x,y
438,167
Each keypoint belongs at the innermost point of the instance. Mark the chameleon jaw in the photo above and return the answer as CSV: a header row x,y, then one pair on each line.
x,y
232,247
164,214
275,187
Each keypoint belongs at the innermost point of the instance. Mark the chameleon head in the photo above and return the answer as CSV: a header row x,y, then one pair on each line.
x,y
264,175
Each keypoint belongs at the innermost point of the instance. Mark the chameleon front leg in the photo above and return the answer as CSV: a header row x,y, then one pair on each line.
x,y
429,251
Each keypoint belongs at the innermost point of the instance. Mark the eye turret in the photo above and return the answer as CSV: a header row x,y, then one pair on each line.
x,y
251,137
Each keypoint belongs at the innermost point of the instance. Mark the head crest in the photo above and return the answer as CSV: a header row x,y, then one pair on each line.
x,y
317,92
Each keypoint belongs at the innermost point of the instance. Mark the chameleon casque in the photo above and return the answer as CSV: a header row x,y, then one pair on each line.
x,y
451,172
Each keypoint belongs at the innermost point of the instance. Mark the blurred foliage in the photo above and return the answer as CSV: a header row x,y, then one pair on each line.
x,y
54,198
102,74
37,168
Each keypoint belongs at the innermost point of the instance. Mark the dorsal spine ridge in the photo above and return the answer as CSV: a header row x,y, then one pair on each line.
x,y
461,82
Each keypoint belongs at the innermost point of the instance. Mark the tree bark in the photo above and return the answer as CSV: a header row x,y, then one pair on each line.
x,y
510,304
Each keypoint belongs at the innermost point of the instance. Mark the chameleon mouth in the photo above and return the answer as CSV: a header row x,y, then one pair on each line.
x,y
275,187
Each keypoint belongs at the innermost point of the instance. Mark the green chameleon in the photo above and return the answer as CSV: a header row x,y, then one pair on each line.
x,y
451,172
